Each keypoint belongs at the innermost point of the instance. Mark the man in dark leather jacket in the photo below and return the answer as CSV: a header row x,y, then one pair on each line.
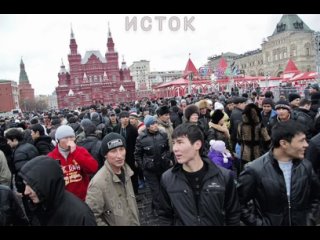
x,y
280,188
152,154
196,192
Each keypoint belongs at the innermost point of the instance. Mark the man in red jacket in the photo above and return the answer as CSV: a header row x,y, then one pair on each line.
x,y
76,162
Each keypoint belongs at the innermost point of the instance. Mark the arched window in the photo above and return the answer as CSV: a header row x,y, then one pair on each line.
x,y
293,50
307,48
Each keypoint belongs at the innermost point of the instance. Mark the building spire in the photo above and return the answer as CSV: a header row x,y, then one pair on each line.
x,y
109,31
72,34
23,78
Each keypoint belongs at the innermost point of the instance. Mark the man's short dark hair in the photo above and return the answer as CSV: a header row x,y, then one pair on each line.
x,y
304,102
191,131
285,131
14,133
38,128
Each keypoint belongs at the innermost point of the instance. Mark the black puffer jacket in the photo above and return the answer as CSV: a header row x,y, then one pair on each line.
x,y
93,145
263,182
218,202
152,151
57,206
21,155
11,212
44,144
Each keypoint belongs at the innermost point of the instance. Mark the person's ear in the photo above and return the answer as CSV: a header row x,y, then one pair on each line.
x,y
198,144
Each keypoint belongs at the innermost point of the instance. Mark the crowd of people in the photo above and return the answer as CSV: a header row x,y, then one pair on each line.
x,y
210,160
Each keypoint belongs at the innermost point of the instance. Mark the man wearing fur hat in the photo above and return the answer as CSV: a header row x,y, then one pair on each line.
x,y
76,162
204,116
164,123
110,193
236,118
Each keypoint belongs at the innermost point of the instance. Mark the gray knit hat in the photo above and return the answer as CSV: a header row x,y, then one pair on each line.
x,y
64,131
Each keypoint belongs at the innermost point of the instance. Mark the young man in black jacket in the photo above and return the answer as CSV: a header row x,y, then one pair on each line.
x,y
196,191
281,184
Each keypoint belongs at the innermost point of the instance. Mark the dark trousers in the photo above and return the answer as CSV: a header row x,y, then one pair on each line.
x,y
153,180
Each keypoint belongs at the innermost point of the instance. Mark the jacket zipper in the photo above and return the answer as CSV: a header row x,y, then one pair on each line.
x,y
289,206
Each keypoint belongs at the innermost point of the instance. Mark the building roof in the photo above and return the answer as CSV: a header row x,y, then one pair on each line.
x,y
291,67
290,22
190,68
90,53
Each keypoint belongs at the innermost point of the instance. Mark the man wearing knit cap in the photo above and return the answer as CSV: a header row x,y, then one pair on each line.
x,y
294,100
284,113
110,193
130,134
83,124
164,122
76,162
267,113
152,154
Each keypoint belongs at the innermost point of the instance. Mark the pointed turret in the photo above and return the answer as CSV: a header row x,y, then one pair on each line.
x,y
110,43
123,64
23,78
62,68
291,22
73,44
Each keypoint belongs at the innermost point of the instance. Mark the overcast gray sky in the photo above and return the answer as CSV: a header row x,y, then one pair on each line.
x,y
42,40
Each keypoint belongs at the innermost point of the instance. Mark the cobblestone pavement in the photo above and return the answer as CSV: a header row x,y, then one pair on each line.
x,y
144,205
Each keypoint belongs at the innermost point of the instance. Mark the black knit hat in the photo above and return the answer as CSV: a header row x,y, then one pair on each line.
x,y
217,116
162,110
267,101
283,104
111,141
191,109
293,96
123,114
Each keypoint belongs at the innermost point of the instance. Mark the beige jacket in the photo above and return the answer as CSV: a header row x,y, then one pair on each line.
x,y
112,202
5,174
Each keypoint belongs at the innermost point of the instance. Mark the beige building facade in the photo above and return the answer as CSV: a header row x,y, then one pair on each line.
x,y
291,39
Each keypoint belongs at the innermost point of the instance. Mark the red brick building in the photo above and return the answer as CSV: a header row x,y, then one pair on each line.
x,y
9,95
94,79
26,91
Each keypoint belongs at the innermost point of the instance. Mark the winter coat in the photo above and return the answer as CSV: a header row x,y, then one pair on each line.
x,y
5,174
93,145
112,202
132,134
76,169
263,182
218,202
152,151
313,154
44,144
57,206
218,158
252,136
11,212
21,155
